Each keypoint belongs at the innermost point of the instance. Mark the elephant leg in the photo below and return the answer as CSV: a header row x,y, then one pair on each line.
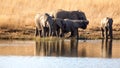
x,y
51,31
77,33
40,33
111,36
72,34
36,31
56,33
60,33
46,32
43,32
56,30
102,32
110,32
106,33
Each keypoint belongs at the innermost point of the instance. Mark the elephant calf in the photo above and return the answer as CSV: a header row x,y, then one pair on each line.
x,y
106,27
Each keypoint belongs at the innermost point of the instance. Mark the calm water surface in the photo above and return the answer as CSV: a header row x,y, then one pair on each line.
x,y
62,48
60,53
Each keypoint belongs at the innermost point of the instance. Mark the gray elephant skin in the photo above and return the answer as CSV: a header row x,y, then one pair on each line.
x,y
63,26
59,27
106,27
74,15
73,25
44,25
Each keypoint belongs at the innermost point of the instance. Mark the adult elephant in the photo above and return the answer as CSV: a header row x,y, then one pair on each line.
x,y
73,25
106,27
59,27
74,15
44,25
63,26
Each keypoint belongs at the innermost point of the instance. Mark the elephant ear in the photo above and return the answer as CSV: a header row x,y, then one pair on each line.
x,y
45,17
63,24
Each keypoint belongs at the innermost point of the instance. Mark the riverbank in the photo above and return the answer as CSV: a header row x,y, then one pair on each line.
x,y
28,34
17,34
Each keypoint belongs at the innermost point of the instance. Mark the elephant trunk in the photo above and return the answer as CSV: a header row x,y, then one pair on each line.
x,y
84,24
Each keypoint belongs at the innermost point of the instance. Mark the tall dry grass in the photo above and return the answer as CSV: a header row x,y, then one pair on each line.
x,y
20,13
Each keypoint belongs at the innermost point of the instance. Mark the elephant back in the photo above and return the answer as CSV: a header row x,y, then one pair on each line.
x,y
37,21
61,14
77,15
74,15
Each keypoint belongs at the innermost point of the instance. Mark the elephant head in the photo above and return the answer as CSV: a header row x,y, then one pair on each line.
x,y
83,24
48,20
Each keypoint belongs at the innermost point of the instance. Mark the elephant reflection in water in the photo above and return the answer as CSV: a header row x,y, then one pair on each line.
x,y
70,48
106,48
74,47
48,48
57,48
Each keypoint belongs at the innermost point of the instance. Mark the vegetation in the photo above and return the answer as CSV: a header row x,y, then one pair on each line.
x,y
19,14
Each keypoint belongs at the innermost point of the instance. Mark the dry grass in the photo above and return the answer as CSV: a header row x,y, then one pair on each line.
x,y
20,13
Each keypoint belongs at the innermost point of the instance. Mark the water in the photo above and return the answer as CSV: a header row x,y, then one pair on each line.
x,y
62,48
60,53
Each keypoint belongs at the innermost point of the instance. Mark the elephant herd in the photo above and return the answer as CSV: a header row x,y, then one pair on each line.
x,y
63,22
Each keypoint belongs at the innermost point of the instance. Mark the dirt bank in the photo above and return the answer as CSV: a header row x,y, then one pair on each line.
x,y
28,34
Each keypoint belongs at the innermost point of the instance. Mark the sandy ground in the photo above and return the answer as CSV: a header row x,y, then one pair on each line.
x,y
26,33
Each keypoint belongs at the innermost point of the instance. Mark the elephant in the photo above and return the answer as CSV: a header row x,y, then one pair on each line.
x,y
63,26
59,26
106,27
74,15
44,25
73,25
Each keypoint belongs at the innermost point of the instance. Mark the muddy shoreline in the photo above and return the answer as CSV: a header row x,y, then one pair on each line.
x,y
28,34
